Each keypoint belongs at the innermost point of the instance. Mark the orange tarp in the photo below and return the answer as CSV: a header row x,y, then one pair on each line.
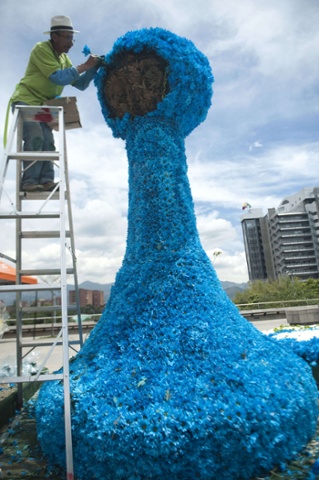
x,y
8,275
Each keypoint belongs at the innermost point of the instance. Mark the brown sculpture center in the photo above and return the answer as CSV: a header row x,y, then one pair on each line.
x,y
135,84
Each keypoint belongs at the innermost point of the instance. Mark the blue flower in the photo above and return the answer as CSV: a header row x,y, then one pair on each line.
x,y
315,467
86,50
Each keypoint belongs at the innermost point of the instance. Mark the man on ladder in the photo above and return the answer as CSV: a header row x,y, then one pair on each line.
x,y
48,71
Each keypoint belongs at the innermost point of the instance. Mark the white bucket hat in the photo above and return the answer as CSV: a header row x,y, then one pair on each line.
x,y
61,23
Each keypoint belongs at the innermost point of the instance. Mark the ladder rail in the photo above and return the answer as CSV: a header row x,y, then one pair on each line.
x,y
5,164
72,243
64,216
19,316
64,312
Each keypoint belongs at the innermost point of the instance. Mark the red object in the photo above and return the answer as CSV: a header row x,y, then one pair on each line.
x,y
8,275
44,116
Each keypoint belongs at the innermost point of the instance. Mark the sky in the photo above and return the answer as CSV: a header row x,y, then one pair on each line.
x,y
258,144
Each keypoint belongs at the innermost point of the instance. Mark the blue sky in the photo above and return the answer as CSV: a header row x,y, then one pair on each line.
x,y
258,144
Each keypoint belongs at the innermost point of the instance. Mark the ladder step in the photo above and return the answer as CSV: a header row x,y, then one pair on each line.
x,y
32,378
43,234
39,195
30,287
29,215
47,308
43,156
45,271
47,343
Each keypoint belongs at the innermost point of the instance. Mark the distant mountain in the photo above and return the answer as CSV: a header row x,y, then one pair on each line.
x,y
226,284
232,288
8,298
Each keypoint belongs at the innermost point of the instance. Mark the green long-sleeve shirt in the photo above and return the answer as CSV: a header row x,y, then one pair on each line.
x,y
36,87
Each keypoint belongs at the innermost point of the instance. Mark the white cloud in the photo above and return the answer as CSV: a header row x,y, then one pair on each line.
x,y
231,267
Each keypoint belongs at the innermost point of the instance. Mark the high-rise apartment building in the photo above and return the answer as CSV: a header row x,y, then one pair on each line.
x,y
286,240
254,230
87,297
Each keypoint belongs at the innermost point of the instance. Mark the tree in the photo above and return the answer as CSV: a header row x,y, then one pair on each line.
x,y
284,288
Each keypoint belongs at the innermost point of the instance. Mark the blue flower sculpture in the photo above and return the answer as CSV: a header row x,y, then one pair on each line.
x,y
173,383
306,349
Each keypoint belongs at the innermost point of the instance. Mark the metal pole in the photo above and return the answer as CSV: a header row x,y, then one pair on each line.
x,y
64,305
76,282
19,316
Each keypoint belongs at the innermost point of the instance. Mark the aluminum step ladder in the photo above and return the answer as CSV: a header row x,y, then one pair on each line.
x,y
41,217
